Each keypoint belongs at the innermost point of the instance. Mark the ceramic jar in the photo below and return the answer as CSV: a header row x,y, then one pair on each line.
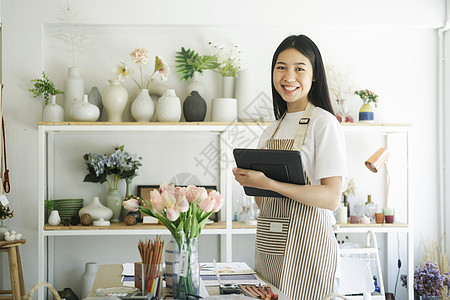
x,y
366,113
168,108
196,85
95,98
194,107
54,218
114,202
96,210
143,108
73,90
245,94
228,85
115,99
53,112
88,278
224,110
84,111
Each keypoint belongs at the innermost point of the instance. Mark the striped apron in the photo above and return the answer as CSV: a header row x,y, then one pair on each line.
x,y
295,246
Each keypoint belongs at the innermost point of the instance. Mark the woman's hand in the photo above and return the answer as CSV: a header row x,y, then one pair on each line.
x,y
251,178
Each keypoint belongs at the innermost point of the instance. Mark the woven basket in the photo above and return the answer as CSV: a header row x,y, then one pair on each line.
x,y
36,286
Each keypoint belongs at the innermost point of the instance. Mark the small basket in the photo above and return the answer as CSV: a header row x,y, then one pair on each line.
x,y
36,286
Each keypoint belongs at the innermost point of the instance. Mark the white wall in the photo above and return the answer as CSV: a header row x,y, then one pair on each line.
x,y
391,48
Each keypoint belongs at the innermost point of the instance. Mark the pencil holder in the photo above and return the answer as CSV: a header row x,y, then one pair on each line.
x,y
148,278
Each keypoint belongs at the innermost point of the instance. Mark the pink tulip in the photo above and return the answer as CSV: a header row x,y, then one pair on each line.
x,y
183,205
172,213
168,199
201,194
157,202
131,205
179,193
191,193
207,204
218,200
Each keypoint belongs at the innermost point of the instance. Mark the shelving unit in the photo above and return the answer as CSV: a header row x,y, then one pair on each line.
x,y
226,228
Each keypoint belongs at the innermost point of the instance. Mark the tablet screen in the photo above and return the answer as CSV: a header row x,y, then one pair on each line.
x,y
280,165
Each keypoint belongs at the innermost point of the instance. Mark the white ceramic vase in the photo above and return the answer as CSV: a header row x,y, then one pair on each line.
x,y
245,94
168,108
114,99
3,229
196,85
224,110
84,111
228,85
73,90
54,218
53,112
96,210
143,108
88,278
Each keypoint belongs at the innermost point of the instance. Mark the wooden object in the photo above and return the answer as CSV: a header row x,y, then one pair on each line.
x,y
15,270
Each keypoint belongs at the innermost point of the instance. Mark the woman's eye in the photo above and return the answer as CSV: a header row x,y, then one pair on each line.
x,y
300,69
281,68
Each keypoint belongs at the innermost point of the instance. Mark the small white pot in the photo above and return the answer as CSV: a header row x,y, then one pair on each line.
x,y
54,218
224,110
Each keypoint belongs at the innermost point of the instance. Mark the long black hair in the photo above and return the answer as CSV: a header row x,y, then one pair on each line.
x,y
318,95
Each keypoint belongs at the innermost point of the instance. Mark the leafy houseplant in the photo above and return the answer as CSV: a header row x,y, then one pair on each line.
x,y
367,96
50,204
190,61
6,212
44,87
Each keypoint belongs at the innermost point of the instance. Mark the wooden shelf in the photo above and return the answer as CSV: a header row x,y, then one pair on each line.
x,y
123,226
151,123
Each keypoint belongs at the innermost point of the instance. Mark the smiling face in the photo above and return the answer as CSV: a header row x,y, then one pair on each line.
x,y
292,78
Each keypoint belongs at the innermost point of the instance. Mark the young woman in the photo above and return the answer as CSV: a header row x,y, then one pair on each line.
x,y
295,245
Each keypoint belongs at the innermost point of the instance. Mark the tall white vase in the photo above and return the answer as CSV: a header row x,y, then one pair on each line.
x,y
143,107
84,111
168,108
114,99
53,112
246,97
196,85
228,85
88,278
73,90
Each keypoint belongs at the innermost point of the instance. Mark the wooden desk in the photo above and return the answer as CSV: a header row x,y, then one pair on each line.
x,y
111,276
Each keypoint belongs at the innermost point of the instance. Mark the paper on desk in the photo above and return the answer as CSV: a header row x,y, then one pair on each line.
x,y
128,269
226,268
211,280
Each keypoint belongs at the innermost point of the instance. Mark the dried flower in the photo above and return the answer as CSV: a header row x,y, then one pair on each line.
x,y
367,96
351,187
428,281
339,81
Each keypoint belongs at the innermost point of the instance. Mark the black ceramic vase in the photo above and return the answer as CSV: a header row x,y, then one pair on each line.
x,y
194,108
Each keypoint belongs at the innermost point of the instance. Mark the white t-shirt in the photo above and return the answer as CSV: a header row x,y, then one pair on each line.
x,y
323,152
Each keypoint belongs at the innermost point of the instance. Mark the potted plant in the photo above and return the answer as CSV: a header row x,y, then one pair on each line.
x,y
54,218
5,213
366,111
429,282
229,66
45,87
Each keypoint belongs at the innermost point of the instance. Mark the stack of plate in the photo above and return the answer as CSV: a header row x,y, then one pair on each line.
x,y
68,207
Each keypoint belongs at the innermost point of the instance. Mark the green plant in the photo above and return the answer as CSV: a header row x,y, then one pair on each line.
x,y
44,87
367,96
190,61
229,62
5,212
50,204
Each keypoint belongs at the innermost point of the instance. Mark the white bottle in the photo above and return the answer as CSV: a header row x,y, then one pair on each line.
x,y
53,112
73,90
88,278
84,111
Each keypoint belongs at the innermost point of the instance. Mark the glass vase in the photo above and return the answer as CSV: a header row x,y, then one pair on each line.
x,y
185,268
342,111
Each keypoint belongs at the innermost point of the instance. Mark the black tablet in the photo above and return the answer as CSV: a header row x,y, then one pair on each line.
x,y
280,165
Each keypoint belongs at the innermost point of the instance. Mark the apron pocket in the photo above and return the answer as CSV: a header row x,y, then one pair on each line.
x,y
271,235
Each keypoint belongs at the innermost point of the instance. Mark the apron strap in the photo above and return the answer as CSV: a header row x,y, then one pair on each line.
x,y
302,126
